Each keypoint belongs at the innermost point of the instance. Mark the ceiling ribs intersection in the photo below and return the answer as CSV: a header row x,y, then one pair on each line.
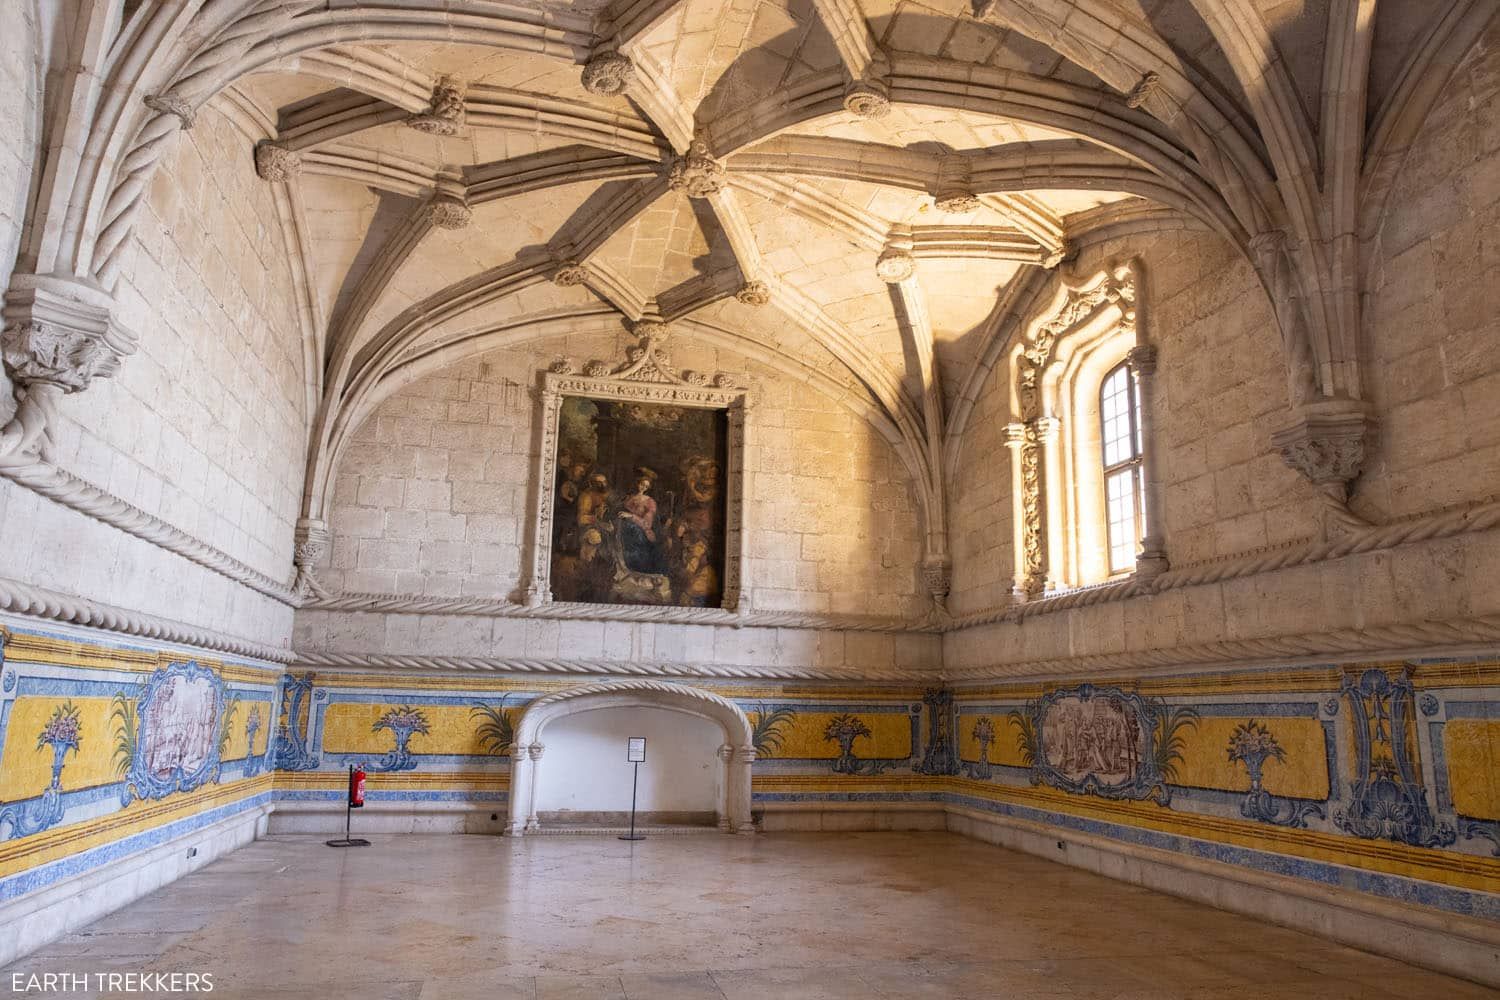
x,y
752,151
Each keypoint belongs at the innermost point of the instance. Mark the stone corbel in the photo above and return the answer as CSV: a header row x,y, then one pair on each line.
x,y
445,114
1327,442
449,206
59,335
310,546
937,578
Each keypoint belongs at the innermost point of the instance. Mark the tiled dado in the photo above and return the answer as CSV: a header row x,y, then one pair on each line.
x,y
1379,777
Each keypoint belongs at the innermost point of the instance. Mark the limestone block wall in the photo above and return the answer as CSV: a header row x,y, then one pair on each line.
x,y
1220,389
204,426
433,495
20,45
1433,374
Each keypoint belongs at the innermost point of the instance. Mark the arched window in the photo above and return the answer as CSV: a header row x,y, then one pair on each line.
x,y
1122,453
1083,507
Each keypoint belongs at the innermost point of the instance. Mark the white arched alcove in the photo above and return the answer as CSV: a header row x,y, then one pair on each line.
x,y
734,755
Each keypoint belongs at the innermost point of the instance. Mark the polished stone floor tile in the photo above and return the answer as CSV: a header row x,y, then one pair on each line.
x,y
775,917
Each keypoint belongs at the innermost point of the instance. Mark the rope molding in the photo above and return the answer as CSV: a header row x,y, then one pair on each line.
x,y
1480,517
1450,632
78,494
527,665
562,611
39,602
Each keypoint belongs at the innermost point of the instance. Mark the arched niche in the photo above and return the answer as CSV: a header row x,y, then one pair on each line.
x,y
735,755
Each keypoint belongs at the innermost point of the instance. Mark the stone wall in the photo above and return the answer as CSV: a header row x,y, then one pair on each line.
x,y
1220,390
1431,321
432,496
204,426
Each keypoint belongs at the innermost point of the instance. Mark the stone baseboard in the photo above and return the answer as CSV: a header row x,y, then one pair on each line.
x,y
38,918
851,817
1456,945
327,818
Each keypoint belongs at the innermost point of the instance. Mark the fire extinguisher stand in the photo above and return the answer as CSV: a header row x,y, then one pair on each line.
x,y
349,807
635,753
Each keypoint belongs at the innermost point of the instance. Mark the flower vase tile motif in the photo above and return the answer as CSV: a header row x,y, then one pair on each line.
x,y
1103,741
1252,744
61,735
292,750
403,722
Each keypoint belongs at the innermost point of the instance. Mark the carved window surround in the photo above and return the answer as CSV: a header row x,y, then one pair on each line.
x,y
1089,327
648,377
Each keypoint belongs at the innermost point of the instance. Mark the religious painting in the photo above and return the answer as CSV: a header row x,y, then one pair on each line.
x,y
638,512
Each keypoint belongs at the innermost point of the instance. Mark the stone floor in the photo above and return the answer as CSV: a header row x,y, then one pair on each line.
x,y
773,917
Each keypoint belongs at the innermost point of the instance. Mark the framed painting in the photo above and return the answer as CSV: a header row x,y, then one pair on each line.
x,y
638,486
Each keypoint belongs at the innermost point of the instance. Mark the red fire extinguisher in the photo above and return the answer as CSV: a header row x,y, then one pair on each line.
x,y
356,787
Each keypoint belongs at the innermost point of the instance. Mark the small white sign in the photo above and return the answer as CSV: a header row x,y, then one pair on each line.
x,y
635,749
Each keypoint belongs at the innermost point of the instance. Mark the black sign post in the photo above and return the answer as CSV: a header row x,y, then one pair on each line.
x,y
635,753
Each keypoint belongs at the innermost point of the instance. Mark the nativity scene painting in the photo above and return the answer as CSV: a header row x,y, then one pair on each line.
x,y
639,510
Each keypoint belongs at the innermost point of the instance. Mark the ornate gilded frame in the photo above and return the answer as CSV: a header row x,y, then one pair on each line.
x,y
646,376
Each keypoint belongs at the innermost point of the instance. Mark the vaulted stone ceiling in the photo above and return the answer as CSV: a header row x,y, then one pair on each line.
x,y
869,193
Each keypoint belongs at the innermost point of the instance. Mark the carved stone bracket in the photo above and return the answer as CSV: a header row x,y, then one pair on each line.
x,y
1327,443
937,578
953,193
696,173
445,114
609,74
311,541
59,335
449,207
276,164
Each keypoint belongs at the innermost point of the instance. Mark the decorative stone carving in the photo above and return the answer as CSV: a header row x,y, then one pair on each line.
x,y
1326,443
563,366
311,540
275,163
651,329
1142,91
58,336
608,73
171,104
754,293
1055,258
570,274
448,212
895,265
956,202
937,578
867,100
697,173
445,114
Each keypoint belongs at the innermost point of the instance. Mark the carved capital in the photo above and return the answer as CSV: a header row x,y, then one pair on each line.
x,y
445,114
608,73
754,293
937,577
1046,429
895,265
61,332
696,172
275,163
172,104
1015,435
1142,360
570,274
310,542
867,99
535,751
1327,443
